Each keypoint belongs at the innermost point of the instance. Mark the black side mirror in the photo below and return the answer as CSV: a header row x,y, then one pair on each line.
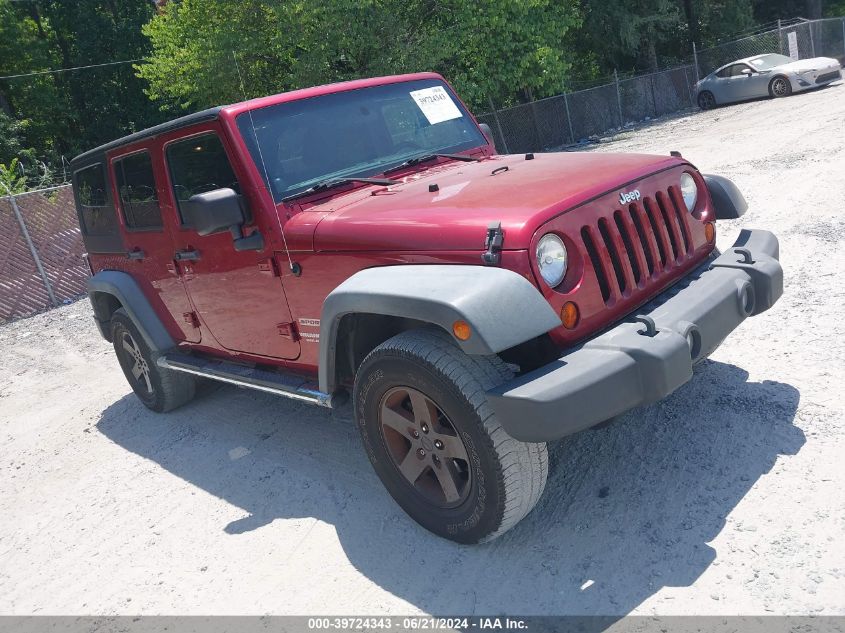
x,y
488,134
217,211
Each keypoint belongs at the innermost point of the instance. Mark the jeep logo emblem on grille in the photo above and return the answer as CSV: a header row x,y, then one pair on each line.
x,y
627,198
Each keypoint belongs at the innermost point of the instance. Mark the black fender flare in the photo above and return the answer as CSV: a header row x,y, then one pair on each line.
x,y
728,201
126,290
502,307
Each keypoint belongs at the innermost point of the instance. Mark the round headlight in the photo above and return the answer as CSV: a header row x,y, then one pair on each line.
x,y
551,259
689,191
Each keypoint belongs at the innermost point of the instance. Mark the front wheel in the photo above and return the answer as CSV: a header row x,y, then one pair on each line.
x,y
435,443
780,87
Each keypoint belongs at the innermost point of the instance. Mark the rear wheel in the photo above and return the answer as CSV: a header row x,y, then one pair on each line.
x,y
434,442
706,100
780,87
159,389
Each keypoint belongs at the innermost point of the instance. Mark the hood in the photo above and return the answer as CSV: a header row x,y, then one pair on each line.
x,y
449,206
805,65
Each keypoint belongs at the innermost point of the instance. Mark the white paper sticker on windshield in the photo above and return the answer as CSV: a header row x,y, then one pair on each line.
x,y
436,104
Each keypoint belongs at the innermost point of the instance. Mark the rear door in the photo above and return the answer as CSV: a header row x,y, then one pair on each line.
x,y
238,296
149,221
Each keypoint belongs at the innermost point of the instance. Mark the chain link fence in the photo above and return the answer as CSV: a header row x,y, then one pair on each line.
x,y
577,117
41,264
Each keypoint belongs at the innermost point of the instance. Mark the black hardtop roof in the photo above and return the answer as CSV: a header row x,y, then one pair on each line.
x,y
197,117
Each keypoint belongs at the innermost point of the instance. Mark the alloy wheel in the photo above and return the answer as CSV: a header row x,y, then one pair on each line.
x,y
140,369
425,447
780,88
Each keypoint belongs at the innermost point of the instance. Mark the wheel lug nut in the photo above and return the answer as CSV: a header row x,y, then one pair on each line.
x,y
415,434
438,444
421,452
425,428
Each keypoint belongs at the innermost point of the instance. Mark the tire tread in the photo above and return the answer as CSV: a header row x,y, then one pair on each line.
x,y
523,466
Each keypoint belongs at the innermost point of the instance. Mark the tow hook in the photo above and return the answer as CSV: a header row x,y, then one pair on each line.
x,y
493,244
650,327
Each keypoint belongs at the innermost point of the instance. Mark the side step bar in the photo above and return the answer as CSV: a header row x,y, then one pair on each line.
x,y
286,385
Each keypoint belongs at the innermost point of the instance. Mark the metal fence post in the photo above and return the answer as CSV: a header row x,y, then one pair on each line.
x,y
618,97
689,87
780,36
569,115
812,39
695,61
498,124
843,33
32,250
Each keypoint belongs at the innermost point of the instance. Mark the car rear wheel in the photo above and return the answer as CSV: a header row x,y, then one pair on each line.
x,y
780,87
159,389
435,443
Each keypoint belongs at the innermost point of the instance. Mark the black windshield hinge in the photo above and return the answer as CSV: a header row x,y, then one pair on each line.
x,y
492,254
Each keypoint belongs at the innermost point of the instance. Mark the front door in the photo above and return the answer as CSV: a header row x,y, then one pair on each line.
x,y
238,296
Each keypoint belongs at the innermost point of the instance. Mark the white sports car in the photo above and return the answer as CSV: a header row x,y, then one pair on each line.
x,y
769,75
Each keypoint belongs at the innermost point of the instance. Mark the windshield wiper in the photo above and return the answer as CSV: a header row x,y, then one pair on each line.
x,y
416,160
336,182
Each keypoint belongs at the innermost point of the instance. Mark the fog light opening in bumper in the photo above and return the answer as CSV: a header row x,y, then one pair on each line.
x,y
693,337
747,300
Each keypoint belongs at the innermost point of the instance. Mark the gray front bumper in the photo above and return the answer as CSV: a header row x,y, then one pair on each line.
x,y
628,366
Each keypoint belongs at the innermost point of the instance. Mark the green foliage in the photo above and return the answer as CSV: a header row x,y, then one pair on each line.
x,y
499,49
834,8
11,179
66,113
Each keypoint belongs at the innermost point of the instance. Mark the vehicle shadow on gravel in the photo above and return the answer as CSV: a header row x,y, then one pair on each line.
x,y
628,509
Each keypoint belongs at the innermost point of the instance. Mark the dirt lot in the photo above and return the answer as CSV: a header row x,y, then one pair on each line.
x,y
727,498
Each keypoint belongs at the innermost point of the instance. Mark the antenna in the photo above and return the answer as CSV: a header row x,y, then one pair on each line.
x,y
294,268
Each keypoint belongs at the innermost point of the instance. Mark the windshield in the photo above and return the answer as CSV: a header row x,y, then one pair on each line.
x,y
766,62
355,133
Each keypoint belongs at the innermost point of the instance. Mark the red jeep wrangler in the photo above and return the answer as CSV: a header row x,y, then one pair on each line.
x,y
365,237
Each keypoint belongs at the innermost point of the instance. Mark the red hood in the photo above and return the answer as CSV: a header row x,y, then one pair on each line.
x,y
410,217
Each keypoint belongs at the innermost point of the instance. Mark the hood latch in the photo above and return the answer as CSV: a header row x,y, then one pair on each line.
x,y
493,244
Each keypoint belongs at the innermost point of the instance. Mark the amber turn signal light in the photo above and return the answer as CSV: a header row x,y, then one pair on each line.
x,y
569,315
461,330
710,231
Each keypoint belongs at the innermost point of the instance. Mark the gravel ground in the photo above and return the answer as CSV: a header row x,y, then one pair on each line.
x,y
726,498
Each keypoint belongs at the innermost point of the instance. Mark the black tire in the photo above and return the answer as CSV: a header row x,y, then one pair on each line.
x,y
499,481
706,100
780,87
159,389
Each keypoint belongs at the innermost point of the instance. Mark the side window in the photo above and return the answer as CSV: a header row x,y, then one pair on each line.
x,y
96,214
725,72
197,165
137,191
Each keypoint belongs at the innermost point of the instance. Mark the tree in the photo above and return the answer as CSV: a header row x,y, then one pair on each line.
x,y
497,49
64,113
632,34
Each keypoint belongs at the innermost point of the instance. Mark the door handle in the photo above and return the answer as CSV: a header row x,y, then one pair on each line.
x,y
186,256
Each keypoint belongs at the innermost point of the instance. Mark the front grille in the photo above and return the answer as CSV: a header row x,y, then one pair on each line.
x,y
638,243
828,77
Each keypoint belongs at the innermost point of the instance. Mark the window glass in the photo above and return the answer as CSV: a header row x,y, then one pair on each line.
x,y
96,214
197,165
355,133
137,191
727,72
